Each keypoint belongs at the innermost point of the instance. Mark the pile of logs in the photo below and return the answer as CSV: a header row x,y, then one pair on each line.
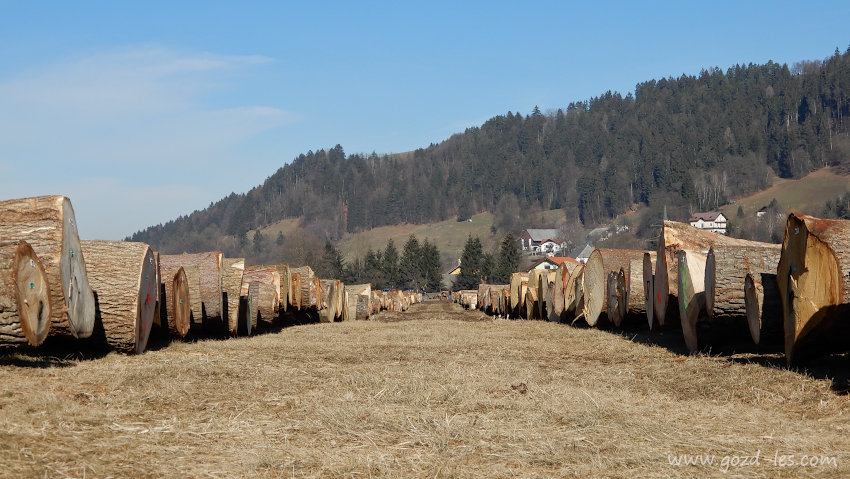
x,y
52,284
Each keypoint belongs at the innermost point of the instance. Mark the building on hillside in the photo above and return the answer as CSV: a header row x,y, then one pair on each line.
x,y
583,253
534,241
713,221
551,262
760,213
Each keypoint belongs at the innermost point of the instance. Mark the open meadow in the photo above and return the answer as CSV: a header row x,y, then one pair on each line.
x,y
433,392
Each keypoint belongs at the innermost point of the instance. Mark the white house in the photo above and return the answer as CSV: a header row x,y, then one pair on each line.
x,y
713,221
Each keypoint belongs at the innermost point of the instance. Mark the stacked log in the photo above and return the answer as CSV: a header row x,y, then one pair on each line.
x,y
544,281
763,305
532,310
206,306
157,314
178,310
286,293
358,299
232,270
519,283
333,295
559,289
814,284
48,224
595,286
309,289
169,264
649,288
295,290
726,269
573,299
123,278
467,298
24,296
677,236
268,275
495,299
262,302
691,293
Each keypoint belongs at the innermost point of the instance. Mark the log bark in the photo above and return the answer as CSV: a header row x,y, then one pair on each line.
x,y
601,262
48,224
264,274
358,298
562,277
232,270
123,278
573,303
691,294
206,306
649,288
546,278
612,301
157,314
308,292
726,268
178,301
24,296
169,264
519,283
677,236
261,299
814,284
763,305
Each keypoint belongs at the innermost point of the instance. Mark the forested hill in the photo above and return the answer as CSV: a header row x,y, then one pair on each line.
x,y
692,141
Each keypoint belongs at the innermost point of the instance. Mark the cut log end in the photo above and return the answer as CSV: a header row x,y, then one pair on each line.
x,y
649,289
79,297
752,300
24,296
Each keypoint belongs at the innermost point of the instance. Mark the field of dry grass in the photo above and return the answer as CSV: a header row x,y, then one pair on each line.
x,y
435,392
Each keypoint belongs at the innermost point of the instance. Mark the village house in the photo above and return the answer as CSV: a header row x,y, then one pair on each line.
x,y
541,241
713,221
551,262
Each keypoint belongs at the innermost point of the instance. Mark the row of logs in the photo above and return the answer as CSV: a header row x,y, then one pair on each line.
x,y
699,281
54,284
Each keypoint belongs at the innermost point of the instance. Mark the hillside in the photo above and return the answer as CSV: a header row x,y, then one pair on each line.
x,y
687,143
806,195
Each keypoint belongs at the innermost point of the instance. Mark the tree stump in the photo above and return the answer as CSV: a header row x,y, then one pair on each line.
x,y
123,278
48,224
24,296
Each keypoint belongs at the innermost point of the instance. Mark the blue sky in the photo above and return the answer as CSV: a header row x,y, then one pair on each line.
x,y
143,111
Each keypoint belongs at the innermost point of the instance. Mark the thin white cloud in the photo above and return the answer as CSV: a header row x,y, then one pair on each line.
x,y
141,117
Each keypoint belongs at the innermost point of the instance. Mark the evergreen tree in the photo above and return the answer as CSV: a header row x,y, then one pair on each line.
x,y
508,260
280,238
389,265
470,265
373,269
410,267
259,243
488,268
332,264
430,267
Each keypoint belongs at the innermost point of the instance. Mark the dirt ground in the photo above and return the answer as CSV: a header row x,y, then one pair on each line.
x,y
434,392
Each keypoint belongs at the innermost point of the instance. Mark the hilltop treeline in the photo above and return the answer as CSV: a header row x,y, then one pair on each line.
x,y
689,143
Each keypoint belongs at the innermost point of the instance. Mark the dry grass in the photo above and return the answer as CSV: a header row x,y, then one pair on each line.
x,y
806,195
408,396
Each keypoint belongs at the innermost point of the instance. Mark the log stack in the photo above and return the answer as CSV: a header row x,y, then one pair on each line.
x,y
691,293
519,284
573,298
24,296
205,268
123,277
333,295
48,224
262,299
177,314
814,284
232,270
308,288
267,275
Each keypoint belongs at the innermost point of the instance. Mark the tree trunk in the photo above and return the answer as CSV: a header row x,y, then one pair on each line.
x,y
24,296
612,301
573,303
178,301
691,294
649,288
763,305
208,310
232,270
726,268
519,283
601,262
264,274
677,236
814,284
261,298
308,294
123,278
47,223
359,299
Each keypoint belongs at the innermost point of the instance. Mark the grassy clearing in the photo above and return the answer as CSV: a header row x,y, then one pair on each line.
x,y
436,392
806,195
